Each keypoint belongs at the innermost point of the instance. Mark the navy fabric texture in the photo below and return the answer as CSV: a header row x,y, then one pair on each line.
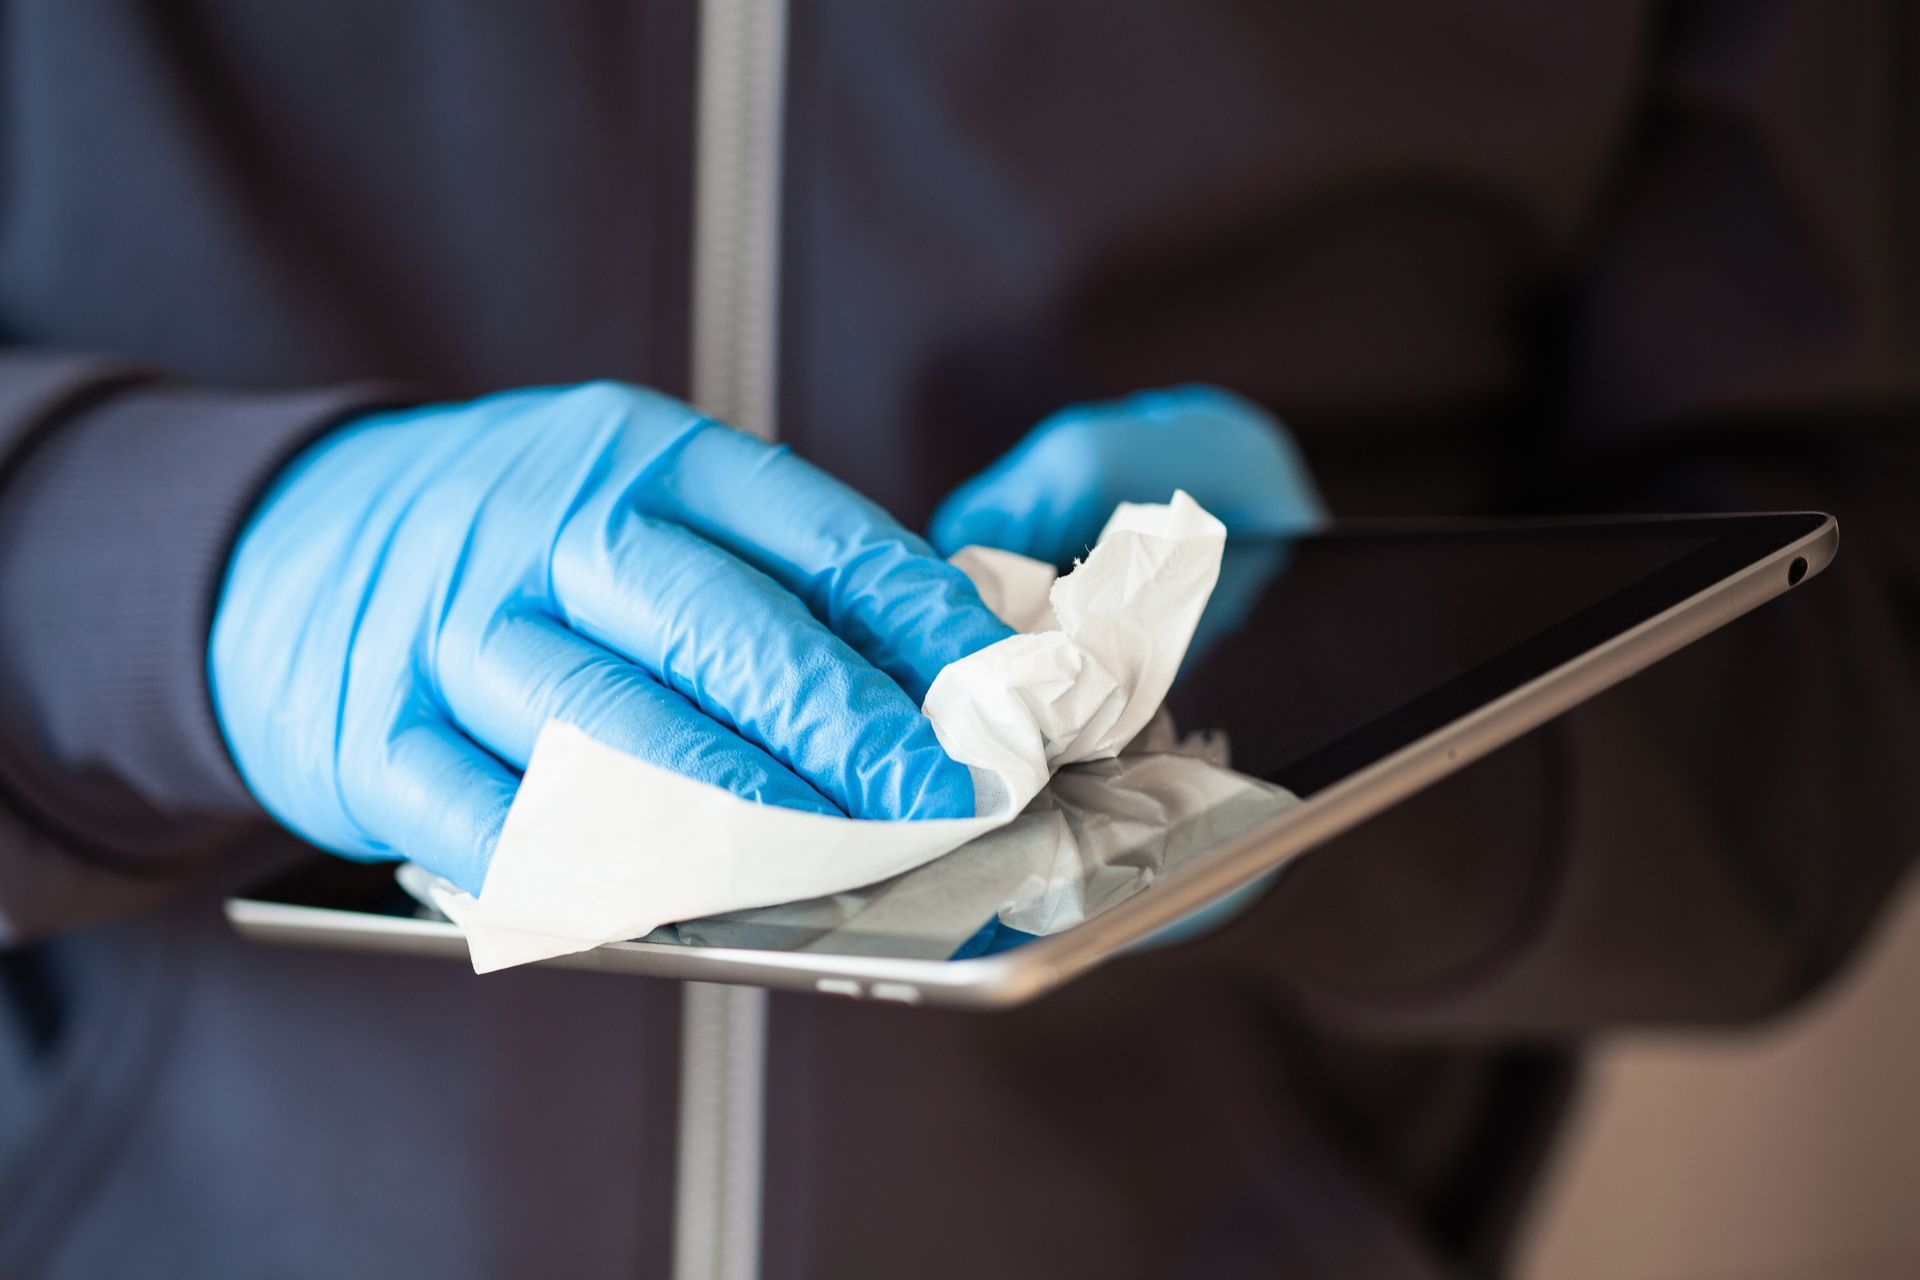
x,y
114,531
1482,258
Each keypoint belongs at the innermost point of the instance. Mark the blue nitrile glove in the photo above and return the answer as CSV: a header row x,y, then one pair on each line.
x,y
1051,494
422,590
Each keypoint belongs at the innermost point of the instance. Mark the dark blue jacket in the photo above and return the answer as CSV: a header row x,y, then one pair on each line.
x,y
1485,257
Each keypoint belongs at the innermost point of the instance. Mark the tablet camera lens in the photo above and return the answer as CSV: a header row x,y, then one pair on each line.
x,y
1796,571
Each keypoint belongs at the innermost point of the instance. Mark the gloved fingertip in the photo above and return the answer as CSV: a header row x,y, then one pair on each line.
x,y
947,792
951,527
800,798
466,853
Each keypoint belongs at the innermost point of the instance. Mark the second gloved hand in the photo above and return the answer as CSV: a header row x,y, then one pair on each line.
x,y
1051,494
424,589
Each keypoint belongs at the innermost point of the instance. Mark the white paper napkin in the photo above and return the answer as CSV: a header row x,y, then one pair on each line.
x,y
600,846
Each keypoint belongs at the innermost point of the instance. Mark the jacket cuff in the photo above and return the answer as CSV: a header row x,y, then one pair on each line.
x,y
115,526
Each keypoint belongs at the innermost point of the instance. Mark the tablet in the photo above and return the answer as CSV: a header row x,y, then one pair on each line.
x,y
1334,676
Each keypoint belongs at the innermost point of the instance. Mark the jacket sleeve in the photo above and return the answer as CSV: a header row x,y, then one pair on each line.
x,y
1711,840
120,495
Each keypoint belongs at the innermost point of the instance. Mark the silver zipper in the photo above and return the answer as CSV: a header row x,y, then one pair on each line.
x,y
739,106
736,211
723,1062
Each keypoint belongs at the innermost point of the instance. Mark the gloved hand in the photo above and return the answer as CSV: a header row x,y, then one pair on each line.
x,y
1050,495
422,590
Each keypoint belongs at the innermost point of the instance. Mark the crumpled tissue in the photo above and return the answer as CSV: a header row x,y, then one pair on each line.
x,y
599,846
